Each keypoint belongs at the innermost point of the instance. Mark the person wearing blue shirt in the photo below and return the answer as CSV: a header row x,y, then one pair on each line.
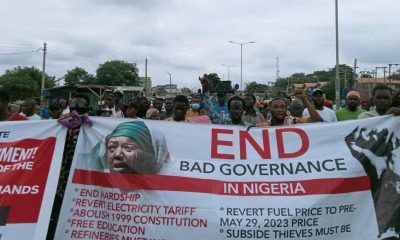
x,y
221,113
350,87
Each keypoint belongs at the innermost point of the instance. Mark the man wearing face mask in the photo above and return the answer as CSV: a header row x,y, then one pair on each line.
x,y
194,107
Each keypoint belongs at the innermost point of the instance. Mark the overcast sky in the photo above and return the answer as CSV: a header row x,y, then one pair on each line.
x,y
190,38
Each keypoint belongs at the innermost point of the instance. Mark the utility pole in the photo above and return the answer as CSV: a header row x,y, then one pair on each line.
x,y
43,71
355,69
277,68
170,83
241,60
337,80
229,69
390,68
146,82
371,74
384,73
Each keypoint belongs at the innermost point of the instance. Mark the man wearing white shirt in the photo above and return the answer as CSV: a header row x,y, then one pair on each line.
x,y
318,98
28,108
110,106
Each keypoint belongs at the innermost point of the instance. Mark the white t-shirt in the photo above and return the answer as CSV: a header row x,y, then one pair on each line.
x,y
327,114
115,113
33,117
65,112
368,114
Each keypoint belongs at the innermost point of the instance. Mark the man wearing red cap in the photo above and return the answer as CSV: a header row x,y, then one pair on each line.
x,y
352,109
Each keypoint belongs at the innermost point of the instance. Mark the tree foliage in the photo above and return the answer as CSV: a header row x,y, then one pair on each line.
x,y
117,73
329,90
395,75
186,91
78,76
366,75
24,82
255,87
345,73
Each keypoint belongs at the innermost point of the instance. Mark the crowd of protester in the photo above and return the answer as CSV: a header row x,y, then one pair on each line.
x,y
220,107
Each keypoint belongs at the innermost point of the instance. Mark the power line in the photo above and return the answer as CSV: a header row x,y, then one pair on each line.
x,y
17,44
71,53
382,61
20,53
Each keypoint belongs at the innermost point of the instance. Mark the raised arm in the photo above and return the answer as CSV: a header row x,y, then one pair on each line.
x,y
314,116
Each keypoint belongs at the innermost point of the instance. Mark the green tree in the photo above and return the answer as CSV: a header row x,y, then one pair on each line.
x,y
24,82
395,75
78,76
117,73
254,87
345,73
186,90
366,75
329,90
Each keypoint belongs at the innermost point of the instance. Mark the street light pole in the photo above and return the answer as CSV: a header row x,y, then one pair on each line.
x,y
337,80
229,69
241,67
241,60
170,83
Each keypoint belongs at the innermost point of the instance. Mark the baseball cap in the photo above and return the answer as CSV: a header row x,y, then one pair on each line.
x,y
316,90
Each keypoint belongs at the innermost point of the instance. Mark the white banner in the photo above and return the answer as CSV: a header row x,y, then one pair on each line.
x,y
171,181
30,160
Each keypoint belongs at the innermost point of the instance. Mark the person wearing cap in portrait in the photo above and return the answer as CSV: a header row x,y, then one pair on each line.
x,y
318,98
352,108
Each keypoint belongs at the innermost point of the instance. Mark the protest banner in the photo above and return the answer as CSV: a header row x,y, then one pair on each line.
x,y
30,160
165,180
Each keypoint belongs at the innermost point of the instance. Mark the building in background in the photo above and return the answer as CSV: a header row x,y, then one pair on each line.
x,y
165,91
365,85
308,87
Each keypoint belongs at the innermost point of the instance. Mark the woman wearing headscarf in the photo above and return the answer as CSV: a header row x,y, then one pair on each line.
x,y
131,148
